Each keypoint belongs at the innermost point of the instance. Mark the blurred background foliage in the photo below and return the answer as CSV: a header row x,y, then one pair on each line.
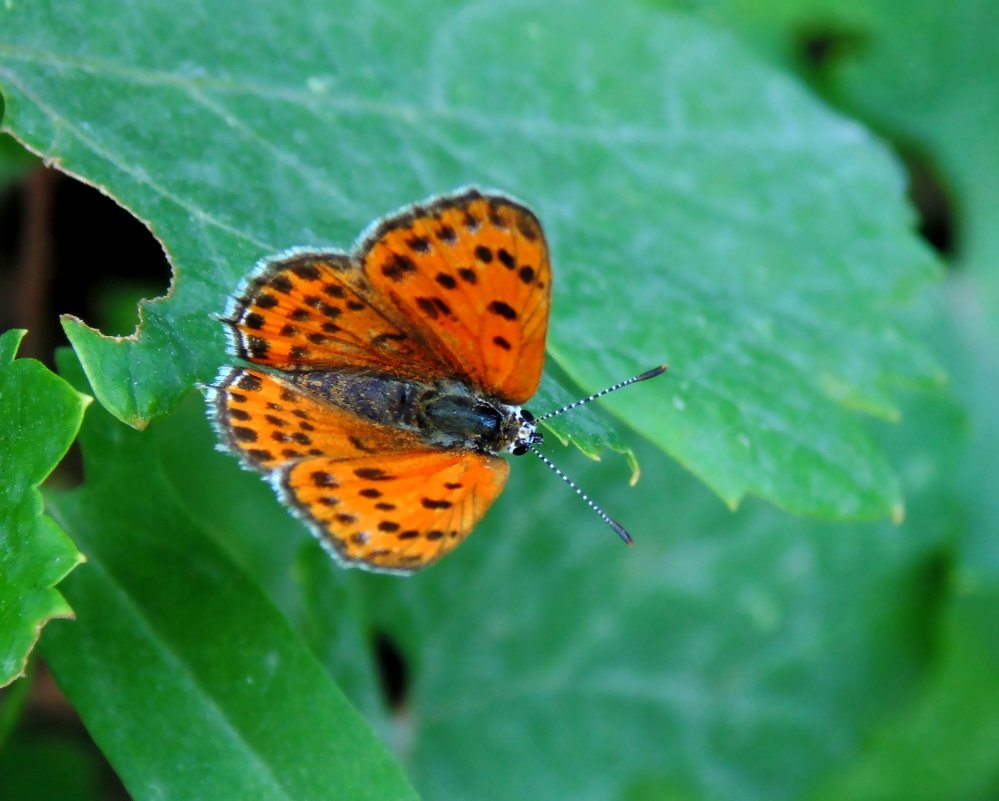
x,y
737,655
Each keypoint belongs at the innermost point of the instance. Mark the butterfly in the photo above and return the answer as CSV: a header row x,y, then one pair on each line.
x,y
379,387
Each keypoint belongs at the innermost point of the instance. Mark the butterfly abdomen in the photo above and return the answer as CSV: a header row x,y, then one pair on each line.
x,y
377,397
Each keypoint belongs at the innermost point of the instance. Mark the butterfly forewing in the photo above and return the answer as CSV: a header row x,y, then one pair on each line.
x,y
311,311
471,275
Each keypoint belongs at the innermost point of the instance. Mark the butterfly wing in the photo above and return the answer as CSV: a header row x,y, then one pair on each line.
x,y
471,277
269,422
457,288
305,310
377,497
393,513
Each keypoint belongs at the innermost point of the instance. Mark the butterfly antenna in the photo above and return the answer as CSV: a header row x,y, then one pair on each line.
x,y
621,531
662,368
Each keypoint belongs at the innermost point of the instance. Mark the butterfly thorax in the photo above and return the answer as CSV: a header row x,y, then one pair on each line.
x,y
444,414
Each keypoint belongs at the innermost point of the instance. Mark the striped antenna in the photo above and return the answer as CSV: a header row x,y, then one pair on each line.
x,y
620,530
662,368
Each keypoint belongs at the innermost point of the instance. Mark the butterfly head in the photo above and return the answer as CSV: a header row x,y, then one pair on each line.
x,y
526,433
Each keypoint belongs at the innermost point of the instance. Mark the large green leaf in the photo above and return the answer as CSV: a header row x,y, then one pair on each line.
x,y
188,679
702,209
945,742
724,656
39,417
546,660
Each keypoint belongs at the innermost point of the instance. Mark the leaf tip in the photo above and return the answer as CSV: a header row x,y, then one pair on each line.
x,y
636,468
10,341
91,349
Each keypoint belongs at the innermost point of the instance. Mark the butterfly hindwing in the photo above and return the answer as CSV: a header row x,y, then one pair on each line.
x,y
397,512
268,422
470,274
375,495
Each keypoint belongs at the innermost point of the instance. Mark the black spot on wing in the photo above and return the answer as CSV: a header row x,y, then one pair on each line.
x,y
398,266
501,309
309,272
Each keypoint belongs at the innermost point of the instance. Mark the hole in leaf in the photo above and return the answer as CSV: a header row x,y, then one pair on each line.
x,y
392,670
71,249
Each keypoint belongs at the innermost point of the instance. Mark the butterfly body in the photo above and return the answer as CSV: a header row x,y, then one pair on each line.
x,y
444,414
379,386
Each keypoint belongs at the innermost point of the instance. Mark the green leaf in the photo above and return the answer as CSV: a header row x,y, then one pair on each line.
x,y
941,108
944,743
239,513
543,659
12,702
589,431
190,682
724,656
702,209
945,113
39,417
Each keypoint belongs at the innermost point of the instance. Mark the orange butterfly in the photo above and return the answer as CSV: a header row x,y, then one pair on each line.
x,y
391,377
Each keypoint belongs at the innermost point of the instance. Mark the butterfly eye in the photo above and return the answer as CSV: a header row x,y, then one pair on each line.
x,y
520,450
526,416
